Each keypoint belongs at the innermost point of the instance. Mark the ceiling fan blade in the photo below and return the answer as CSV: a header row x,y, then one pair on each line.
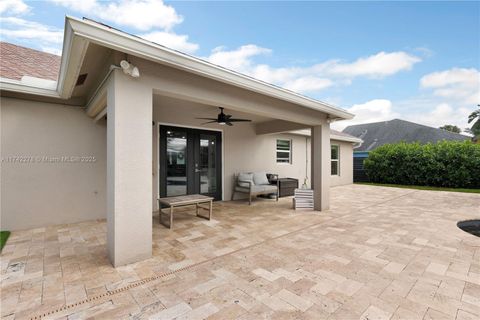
x,y
239,120
229,124
210,122
207,119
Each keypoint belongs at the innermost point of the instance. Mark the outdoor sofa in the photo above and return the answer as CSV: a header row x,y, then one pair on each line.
x,y
255,184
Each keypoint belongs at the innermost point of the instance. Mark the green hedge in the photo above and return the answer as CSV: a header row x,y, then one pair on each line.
x,y
443,164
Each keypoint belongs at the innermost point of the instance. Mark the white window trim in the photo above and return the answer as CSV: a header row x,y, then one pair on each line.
x,y
289,152
336,160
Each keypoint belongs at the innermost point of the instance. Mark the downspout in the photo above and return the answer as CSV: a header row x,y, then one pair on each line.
x,y
304,185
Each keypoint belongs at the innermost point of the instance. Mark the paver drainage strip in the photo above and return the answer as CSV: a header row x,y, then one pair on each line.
x,y
192,266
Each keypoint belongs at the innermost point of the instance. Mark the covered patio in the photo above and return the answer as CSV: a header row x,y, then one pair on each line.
x,y
172,89
377,253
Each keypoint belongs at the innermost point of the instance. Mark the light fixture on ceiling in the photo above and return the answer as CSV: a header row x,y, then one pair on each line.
x,y
129,69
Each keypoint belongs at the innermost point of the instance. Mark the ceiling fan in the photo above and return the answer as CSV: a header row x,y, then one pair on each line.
x,y
224,119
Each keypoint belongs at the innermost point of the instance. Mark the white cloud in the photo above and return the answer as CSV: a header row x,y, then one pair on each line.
x,y
171,40
424,51
440,115
379,65
239,59
53,50
13,7
459,85
139,14
21,29
424,112
371,111
315,77
153,16
308,84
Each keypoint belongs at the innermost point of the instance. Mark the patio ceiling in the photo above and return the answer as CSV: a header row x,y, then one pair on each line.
x,y
191,110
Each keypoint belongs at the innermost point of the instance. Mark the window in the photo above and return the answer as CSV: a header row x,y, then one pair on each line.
x,y
335,160
284,151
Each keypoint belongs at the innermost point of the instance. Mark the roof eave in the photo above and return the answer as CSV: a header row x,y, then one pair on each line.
x,y
73,54
117,40
347,139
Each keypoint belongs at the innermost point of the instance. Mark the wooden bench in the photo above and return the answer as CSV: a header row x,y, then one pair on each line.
x,y
181,201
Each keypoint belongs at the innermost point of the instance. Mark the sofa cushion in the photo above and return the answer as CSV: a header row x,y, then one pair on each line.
x,y
270,188
242,189
244,178
260,178
256,189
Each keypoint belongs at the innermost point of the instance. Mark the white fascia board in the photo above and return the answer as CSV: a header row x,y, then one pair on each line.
x,y
306,133
136,46
347,139
73,53
18,86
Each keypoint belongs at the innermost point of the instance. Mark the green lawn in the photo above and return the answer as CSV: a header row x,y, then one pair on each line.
x,y
420,187
3,238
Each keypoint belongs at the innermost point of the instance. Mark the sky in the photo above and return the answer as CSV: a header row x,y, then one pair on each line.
x,y
418,61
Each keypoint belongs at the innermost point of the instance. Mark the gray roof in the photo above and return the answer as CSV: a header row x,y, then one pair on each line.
x,y
396,130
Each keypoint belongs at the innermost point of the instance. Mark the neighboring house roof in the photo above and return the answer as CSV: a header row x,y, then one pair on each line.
x,y
17,62
396,130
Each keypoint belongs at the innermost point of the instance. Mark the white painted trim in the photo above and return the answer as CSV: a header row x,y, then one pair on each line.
x,y
66,49
306,133
17,86
338,161
347,139
290,152
94,104
101,114
73,55
158,124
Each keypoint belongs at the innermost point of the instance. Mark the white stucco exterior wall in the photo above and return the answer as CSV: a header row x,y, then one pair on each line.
x,y
244,150
42,194
37,192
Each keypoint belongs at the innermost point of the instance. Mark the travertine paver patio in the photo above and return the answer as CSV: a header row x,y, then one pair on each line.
x,y
378,253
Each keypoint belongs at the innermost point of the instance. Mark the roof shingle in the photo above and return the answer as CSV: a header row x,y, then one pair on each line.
x,y
17,61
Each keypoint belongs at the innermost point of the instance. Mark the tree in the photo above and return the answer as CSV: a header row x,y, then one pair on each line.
x,y
451,128
475,118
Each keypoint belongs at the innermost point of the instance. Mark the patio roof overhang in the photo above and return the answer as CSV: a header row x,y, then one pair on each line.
x,y
80,33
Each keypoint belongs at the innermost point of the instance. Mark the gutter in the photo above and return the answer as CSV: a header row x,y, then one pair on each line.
x,y
22,87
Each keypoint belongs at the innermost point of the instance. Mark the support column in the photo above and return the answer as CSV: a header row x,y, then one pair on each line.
x,y
129,170
320,164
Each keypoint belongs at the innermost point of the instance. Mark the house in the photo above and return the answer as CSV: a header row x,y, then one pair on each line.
x,y
98,132
376,134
